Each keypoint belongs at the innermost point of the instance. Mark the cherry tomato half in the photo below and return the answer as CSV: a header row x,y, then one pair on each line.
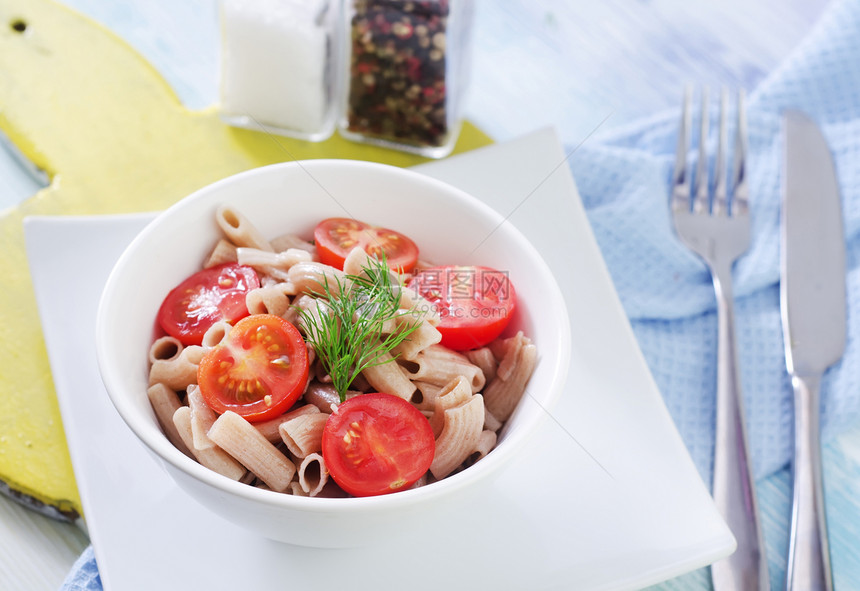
x,y
258,371
336,237
474,304
204,298
376,444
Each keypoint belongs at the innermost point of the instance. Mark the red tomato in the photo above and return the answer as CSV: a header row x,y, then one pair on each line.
x,y
474,304
259,370
376,444
210,295
336,237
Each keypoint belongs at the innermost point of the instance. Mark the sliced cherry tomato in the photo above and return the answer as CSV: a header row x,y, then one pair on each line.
x,y
258,371
210,295
376,444
474,304
336,237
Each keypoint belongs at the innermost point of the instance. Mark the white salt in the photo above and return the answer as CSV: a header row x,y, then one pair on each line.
x,y
273,63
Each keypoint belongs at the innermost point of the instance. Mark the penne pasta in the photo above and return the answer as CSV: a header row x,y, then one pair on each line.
x,y
515,368
486,442
213,458
272,264
241,440
455,393
303,434
269,429
165,349
312,277
389,377
177,372
202,418
224,252
484,359
272,299
287,241
313,475
439,365
239,230
165,402
216,334
421,338
463,425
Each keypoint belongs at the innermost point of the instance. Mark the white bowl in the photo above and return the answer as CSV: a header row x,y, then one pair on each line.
x,y
449,226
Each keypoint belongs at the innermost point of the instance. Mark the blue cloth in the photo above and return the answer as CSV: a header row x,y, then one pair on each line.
x,y
667,293
666,290
84,575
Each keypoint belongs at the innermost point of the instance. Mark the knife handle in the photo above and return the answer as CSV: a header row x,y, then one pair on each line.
x,y
808,566
733,487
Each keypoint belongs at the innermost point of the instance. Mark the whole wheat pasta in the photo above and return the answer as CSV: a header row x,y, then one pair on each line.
x,y
296,489
303,434
273,264
484,359
462,429
412,300
224,252
165,402
491,423
213,458
241,440
389,377
239,230
455,393
313,474
486,442
178,372
269,429
504,393
165,349
322,396
439,365
216,334
313,277
420,339
272,299
356,261
426,397
286,241
202,418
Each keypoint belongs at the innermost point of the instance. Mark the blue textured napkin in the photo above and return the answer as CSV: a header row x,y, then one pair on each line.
x,y
667,292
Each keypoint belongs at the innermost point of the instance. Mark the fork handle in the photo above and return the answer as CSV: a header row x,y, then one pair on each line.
x,y
808,567
733,489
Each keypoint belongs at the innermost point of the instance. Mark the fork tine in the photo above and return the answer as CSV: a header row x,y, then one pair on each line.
x,y
681,176
720,205
740,192
701,202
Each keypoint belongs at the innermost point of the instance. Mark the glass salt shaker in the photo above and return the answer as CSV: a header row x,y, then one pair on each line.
x,y
406,71
279,70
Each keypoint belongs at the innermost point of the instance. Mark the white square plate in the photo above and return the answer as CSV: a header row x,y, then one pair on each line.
x,y
604,497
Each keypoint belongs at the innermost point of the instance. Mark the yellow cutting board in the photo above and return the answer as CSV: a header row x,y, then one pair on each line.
x,y
113,137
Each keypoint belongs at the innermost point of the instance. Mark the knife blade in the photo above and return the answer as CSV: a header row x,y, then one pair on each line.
x,y
812,297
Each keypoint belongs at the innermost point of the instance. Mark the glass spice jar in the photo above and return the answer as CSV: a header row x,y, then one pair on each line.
x,y
407,71
279,70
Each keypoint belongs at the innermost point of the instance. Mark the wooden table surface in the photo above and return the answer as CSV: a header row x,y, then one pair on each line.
x,y
583,67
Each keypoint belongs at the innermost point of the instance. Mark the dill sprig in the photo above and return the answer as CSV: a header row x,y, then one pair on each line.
x,y
348,330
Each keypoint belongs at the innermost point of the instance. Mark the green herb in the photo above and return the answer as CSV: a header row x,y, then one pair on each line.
x,y
347,330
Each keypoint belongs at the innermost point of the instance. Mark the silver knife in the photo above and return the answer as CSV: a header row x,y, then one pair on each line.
x,y
812,290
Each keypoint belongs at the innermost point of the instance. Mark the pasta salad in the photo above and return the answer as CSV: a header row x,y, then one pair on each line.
x,y
341,366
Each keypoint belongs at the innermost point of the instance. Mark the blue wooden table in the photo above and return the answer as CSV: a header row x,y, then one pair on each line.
x,y
586,68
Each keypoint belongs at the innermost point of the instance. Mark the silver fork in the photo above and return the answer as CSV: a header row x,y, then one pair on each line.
x,y
713,221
